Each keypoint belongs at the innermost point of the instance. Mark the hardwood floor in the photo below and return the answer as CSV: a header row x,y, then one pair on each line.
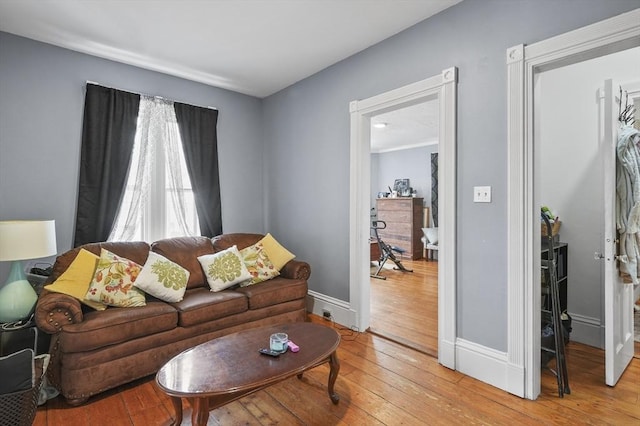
x,y
382,383
636,327
404,307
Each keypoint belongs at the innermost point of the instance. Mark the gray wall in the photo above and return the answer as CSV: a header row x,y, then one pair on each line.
x,y
41,107
305,132
413,163
307,139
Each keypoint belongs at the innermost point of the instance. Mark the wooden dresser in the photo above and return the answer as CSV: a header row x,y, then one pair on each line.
x,y
404,217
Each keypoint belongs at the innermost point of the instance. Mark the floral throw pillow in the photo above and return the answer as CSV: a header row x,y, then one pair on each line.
x,y
162,278
258,263
113,280
224,268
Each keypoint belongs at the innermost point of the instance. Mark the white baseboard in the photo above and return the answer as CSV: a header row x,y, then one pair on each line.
x,y
477,361
341,311
482,363
492,366
447,354
474,360
587,330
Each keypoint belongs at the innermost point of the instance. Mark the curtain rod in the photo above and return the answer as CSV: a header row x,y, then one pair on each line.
x,y
150,96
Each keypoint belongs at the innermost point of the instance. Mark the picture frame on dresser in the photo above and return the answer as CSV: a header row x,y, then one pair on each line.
x,y
402,187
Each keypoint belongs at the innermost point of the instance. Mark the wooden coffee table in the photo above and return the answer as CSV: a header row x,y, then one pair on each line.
x,y
225,369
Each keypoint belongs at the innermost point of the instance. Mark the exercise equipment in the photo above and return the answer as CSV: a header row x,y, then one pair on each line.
x,y
386,251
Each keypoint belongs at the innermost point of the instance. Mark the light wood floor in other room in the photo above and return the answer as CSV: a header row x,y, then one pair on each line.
x,y
382,383
404,307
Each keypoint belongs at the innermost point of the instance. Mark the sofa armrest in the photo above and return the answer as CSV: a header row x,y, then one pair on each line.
x,y
296,269
55,310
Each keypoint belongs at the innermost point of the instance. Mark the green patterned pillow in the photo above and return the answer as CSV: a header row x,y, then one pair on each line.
x,y
162,278
112,282
258,263
224,269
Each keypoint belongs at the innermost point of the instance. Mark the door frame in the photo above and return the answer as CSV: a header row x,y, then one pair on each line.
x,y
523,264
443,88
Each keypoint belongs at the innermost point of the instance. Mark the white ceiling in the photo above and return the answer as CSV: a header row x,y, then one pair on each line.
x,y
405,128
256,47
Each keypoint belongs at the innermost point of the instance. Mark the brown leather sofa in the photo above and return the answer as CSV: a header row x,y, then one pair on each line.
x,y
93,351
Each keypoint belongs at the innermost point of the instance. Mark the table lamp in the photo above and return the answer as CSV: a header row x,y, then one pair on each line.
x,y
21,240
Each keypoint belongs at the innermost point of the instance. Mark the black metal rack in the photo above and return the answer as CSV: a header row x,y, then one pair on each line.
x,y
554,312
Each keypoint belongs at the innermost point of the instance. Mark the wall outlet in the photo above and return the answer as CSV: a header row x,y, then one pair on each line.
x,y
481,194
326,314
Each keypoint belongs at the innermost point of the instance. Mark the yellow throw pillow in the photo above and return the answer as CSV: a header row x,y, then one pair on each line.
x,y
75,280
277,254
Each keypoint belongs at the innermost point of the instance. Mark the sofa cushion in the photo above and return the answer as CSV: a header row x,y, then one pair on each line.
x,y
257,262
185,251
240,240
274,291
162,278
112,282
224,268
200,305
117,325
76,279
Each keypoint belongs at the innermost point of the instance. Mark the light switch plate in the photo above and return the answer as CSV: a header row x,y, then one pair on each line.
x,y
481,194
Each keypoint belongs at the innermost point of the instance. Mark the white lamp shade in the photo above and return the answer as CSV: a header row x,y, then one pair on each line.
x,y
27,239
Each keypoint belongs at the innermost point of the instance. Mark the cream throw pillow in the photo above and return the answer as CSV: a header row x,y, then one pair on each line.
x,y
431,234
162,278
112,282
258,263
224,268
278,255
75,280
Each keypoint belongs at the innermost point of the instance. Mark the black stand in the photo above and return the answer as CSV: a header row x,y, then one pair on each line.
x,y
549,267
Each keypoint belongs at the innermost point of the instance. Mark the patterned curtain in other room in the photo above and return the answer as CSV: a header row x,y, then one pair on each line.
x,y
434,188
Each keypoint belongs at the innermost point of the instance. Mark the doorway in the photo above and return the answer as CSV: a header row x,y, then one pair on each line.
x,y
567,126
441,87
523,64
404,305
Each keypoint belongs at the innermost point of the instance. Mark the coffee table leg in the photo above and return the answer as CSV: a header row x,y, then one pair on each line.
x,y
200,415
333,375
177,407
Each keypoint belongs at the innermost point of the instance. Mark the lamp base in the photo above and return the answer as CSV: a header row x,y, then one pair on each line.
x,y
17,296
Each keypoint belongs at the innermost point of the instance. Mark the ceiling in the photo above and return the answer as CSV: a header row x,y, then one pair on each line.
x,y
255,47
405,128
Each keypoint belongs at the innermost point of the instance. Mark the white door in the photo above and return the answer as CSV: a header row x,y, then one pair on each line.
x,y
618,296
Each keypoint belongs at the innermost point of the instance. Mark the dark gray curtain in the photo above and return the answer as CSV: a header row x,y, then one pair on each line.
x,y
108,132
434,188
200,143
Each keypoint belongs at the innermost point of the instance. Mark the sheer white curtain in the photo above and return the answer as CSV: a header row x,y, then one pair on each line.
x,y
157,179
128,222
178,179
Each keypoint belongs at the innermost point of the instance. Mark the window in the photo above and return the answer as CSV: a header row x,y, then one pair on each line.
x,y
158,201
113,121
